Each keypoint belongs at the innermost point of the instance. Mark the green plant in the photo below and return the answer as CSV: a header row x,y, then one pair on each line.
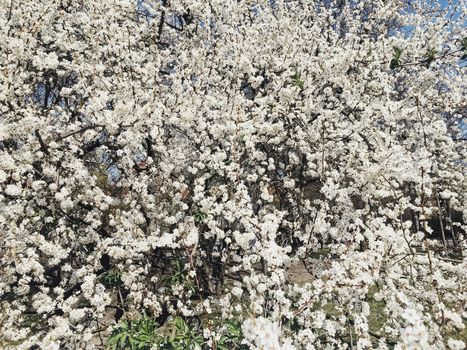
x,y
112,278
297,80
200,216
181,336
134,335
232,336
464,48
180,276
430,56
395,62
293,324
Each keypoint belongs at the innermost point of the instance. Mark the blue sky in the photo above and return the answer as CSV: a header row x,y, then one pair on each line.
x,y
444,3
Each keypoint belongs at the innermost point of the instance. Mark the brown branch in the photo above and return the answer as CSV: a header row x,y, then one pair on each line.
x,y
161,21
80,131
43,147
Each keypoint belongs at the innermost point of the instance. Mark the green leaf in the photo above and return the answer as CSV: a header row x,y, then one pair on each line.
x,y
397,52
395,61
297,80
112,278
430,56
464,44
135,335
200,216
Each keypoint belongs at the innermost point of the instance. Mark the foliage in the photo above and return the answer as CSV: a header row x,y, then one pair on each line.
x,y
180,276
395,61
182,336
199,216
297,80
430,56
134,335
112,278
464,48
177,334
232,337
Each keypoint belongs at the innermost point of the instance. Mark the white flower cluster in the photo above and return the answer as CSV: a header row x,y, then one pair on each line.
x,y
300,162
414,335
261,333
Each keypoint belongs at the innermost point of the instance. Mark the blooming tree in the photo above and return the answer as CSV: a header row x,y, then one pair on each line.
x,y
178,158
